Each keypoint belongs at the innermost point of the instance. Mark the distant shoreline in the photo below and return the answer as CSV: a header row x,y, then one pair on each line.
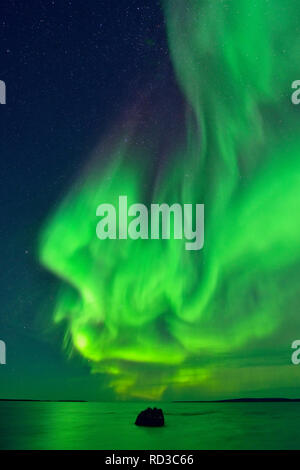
x,y
243,400
230,400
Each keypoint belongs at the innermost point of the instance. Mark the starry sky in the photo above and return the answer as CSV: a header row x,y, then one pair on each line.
x,y
70,68
155,100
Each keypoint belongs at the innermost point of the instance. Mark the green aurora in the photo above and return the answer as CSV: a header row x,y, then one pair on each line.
x,y
157,319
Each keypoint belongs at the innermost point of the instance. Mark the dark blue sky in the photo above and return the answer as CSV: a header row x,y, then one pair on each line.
x,y
70,68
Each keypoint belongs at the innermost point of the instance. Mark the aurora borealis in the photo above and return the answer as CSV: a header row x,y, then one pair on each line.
x,y
150,315
172,101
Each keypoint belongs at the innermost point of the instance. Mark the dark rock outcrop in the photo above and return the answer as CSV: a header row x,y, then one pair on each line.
x,y
150,417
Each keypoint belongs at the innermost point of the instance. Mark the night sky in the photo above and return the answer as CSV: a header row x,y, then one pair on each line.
x,y
155,101
70,68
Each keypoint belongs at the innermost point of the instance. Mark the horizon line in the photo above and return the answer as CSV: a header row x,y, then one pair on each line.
x,y
226,400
